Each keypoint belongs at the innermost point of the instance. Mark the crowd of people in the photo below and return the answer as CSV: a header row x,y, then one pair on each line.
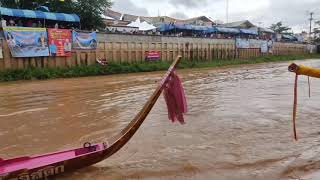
x,y
133,32
20,23
194,34
218,35
28,22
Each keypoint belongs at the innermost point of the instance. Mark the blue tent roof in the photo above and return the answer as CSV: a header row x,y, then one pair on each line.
x,y
249,31
39,15
288,37
228,30
169,27
166,27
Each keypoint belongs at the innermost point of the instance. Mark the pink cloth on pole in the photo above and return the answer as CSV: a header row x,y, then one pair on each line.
x,y
175,99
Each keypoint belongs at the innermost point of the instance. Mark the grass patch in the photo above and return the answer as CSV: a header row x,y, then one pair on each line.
x,y
33,73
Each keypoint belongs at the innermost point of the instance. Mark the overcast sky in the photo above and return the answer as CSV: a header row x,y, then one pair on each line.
x,y
264,12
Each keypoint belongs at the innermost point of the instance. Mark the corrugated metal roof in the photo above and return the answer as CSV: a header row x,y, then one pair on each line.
x,y
39,15
238,24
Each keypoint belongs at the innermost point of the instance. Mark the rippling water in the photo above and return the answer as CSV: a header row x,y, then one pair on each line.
x,y
239,124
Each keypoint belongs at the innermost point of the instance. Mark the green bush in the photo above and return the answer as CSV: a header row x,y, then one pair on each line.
x,y
32,73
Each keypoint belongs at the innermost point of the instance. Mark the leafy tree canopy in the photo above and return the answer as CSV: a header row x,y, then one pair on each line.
x,y
89,10
316,32
280,28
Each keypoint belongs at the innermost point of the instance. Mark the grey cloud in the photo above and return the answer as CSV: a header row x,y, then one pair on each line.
x,y
179,15
292,13
189,3
128,7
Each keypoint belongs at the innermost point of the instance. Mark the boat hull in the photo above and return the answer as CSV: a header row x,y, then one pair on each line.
x,y
42,167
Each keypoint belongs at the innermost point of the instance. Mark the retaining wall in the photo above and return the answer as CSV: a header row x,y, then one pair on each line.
x,y
133,48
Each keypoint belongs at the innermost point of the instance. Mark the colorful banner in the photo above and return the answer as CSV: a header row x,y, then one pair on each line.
x,y
265,46
84,40
242,43
255,44
153,56
27,42
60,42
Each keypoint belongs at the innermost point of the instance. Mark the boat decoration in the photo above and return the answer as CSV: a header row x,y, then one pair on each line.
x,y
48,165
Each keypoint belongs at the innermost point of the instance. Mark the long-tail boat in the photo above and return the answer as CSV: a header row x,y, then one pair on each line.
x,y
44,166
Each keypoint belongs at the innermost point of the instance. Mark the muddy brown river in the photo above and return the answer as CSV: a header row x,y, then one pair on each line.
x,y
238,126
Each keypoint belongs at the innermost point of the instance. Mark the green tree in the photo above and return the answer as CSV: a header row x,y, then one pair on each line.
x,y
280,28
89,10
316,32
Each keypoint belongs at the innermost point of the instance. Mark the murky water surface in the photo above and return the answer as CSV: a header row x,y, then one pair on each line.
x,y
239,124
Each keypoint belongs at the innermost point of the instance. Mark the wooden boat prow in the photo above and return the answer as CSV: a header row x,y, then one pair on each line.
x,y
41,167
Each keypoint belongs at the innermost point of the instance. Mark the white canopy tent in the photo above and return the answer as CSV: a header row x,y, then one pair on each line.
x,y
107,17
143,26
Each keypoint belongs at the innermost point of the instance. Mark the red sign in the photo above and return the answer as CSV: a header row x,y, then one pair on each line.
x,y
60,42
153,56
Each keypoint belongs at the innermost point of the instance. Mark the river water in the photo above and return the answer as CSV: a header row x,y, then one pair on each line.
x,y
238,126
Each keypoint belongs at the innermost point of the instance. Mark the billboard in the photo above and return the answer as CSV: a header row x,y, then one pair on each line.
x,y
242,43
60,42
27,42
264,45
86,41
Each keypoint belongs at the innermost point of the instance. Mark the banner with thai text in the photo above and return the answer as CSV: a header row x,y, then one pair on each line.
x,y
60,42
242,43
264,45
27,42
84,40
255,43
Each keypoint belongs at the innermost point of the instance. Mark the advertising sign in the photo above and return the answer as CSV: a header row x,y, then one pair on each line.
x,y
27,42
264,45
153,56
84,40
60,42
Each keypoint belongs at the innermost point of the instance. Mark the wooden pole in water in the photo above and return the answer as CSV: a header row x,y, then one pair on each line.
x,y
295,103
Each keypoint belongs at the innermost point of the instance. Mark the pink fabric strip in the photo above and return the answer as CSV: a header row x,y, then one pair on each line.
x,y
175,98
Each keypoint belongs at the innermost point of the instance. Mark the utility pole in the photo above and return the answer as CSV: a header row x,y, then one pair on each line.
x,y
310,30
227,11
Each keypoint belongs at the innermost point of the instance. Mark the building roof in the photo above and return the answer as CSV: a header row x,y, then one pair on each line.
x,y
159,19
113,14
261,29
266,30
239,24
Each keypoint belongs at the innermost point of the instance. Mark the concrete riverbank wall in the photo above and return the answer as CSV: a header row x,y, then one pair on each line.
x,y
133,48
